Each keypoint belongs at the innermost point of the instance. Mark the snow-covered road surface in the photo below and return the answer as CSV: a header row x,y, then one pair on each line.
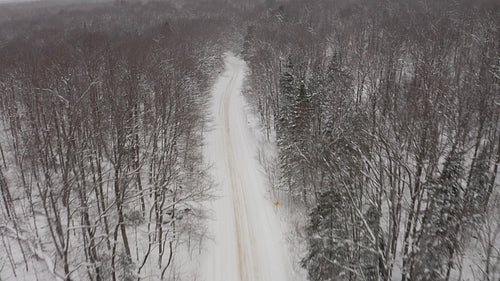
x,y
248,244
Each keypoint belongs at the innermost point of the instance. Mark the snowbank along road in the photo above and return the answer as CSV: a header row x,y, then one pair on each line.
x,y
247,240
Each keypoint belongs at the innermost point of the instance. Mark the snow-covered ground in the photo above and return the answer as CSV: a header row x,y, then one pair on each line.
x,y
247,238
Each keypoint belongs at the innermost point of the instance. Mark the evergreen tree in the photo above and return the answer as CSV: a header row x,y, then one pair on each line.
x,y
248,42
327,235
287,91
439,241
477,189
285,128
373,262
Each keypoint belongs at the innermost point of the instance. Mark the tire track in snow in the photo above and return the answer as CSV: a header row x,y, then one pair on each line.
x,y
244,232
236,196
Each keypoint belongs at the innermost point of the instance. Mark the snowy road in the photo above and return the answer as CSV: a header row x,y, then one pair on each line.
x,y
247,240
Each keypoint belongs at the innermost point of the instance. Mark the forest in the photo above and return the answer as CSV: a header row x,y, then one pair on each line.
x,y
386,117
384,114
102,111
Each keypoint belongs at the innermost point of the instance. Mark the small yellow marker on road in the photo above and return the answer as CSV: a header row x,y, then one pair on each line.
x,y
277,203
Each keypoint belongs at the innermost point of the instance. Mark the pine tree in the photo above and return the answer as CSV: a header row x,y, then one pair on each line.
x,y
327,235
248,42
285,130
300,130
477,189
439,241
287,90
371,260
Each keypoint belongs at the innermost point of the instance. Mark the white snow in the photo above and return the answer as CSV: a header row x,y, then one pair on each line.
x,y
248,241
